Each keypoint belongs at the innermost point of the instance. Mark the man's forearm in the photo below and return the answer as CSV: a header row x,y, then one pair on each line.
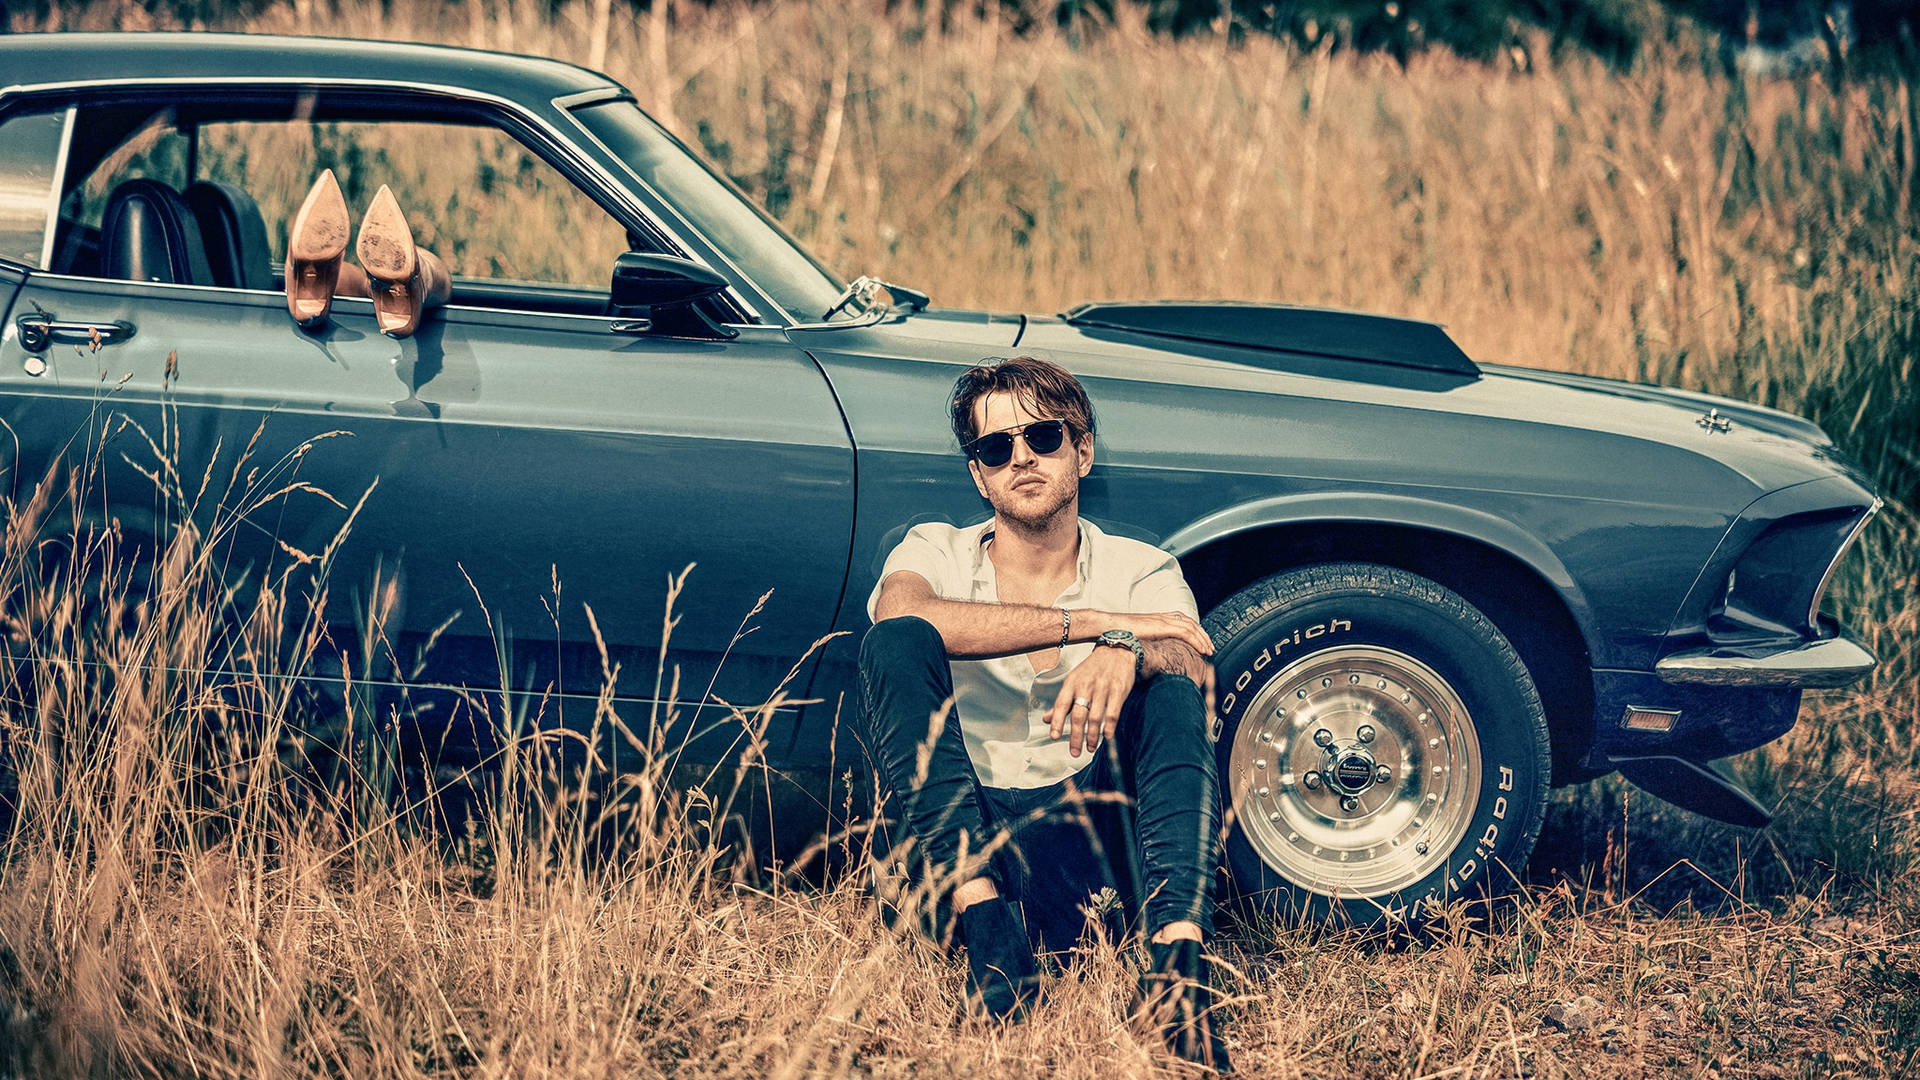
x,y
974,630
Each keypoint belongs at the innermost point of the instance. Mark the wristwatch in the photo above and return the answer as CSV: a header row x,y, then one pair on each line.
x,y
1124,639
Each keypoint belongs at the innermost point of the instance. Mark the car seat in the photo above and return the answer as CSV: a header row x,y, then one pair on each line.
x,y
149,233
234,234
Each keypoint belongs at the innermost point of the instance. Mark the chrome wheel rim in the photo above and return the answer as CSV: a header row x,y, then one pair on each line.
x,y
1355,772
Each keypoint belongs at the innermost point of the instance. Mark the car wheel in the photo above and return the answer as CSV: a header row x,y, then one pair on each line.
x,y
1381,746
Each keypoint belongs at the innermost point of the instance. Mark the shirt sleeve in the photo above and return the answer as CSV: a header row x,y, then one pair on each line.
x,y
1164,588
921,552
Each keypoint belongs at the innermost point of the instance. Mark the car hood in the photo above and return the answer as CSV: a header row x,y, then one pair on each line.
x,y
1769,448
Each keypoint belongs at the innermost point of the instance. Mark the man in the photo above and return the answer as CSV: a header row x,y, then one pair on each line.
x,y
1018,664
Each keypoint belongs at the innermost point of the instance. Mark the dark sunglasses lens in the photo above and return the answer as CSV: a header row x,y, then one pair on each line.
x,y
1046,436
1043,437
994,450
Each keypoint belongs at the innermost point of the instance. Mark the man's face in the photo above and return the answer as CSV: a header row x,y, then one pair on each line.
x,y
1031,489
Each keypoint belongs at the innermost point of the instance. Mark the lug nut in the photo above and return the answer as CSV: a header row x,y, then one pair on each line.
x,y
1365,734
1382,775
1312,780
1349,803
1323,737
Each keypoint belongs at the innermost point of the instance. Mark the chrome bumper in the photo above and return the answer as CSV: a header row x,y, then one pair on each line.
x,y
1814,665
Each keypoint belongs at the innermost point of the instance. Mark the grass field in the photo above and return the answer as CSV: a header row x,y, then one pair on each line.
x,y
170,904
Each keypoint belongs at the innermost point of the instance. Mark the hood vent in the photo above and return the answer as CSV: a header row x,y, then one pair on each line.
x,y
1344,335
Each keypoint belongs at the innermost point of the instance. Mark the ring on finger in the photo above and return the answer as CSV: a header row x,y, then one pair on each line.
x,y
1081,703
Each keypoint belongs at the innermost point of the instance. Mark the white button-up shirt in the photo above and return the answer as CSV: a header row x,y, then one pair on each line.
x,y
1003,701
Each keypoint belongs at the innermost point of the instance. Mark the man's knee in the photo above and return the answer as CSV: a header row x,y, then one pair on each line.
x,y
1176,696
904,656
907,638
1174,714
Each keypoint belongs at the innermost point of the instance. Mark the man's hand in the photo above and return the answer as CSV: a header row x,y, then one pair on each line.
x,y
1170,656
1157,626
1088,708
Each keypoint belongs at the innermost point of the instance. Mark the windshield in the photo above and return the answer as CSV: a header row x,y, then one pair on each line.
x,y
714,208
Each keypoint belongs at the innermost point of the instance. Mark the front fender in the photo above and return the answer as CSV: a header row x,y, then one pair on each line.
x,y
1378,508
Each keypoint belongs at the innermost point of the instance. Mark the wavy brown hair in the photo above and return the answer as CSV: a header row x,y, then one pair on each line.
x,y
1043,389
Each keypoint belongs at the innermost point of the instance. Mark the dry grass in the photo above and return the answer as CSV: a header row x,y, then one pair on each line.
x,y
199,885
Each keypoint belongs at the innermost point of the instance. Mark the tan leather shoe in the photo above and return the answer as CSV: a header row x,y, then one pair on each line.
x,y
402,279
315,245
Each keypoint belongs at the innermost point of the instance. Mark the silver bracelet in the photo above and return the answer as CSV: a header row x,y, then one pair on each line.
x,y
1066,626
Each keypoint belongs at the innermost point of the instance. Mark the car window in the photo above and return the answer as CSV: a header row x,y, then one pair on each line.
x,y
30,146
488,206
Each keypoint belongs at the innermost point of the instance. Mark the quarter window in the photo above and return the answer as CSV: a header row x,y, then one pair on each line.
x,y
31,146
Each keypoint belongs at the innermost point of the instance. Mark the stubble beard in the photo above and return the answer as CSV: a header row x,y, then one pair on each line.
x,y
1038,520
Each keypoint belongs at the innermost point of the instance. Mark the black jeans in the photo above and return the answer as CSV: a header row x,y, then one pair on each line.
x,y
1142,817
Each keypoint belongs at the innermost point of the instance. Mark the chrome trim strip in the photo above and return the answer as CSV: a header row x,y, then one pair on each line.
x,y
609,183
1820,591
59,181
53,278
1832,662
870,317
56,279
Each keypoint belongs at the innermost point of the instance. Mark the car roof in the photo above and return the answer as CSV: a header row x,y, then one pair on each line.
x,y
88,58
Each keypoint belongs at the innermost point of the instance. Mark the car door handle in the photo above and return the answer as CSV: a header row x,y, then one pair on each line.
x,y
40,331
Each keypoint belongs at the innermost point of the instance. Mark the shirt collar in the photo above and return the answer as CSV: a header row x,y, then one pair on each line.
x,y
1083,566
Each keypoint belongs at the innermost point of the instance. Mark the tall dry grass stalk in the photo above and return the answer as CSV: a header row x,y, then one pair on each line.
x,y
210,875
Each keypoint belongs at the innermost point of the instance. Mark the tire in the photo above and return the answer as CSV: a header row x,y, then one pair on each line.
x,y
1329,822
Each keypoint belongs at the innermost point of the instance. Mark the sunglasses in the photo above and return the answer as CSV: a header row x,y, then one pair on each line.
x,y
995,450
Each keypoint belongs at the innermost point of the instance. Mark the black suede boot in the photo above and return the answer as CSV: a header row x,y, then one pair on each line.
x,y
1177,997
1002,977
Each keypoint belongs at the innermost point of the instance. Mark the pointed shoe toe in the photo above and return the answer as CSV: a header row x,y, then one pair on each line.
x,y
387,253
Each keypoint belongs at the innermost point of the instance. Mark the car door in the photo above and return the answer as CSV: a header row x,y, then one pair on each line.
x,y
508,468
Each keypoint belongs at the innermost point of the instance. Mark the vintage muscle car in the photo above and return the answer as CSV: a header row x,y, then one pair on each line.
x,y
1438,587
